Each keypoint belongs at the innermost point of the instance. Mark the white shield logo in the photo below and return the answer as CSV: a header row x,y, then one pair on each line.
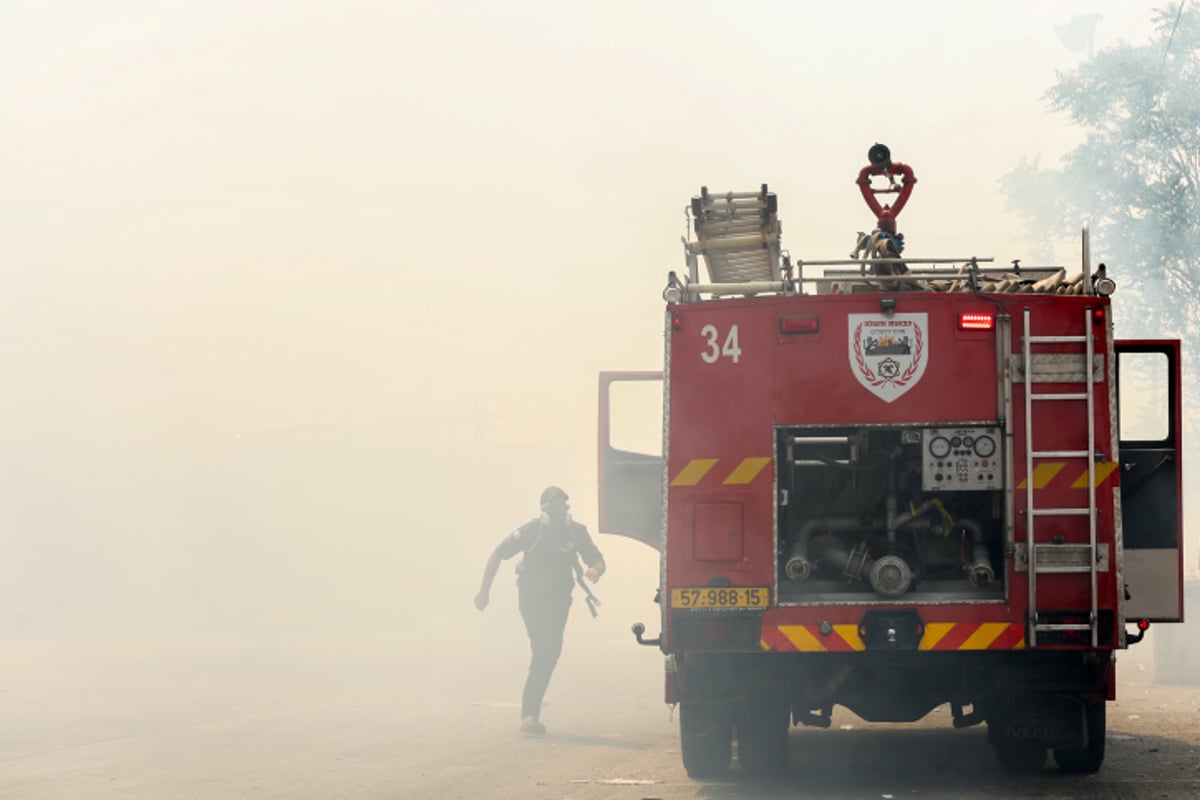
x,y
888,354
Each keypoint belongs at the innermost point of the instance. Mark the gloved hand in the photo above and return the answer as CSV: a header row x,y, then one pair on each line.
x,y
594,572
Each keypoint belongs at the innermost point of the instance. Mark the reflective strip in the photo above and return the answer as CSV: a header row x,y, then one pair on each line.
x,y
802,638
696,469
1011,638
973,636
938,636
747,470
849,634
772,639
1048,470
934,632
983,637
808,639
1044,473
1103,470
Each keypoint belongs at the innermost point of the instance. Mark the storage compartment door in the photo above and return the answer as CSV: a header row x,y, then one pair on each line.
x,y
1149,408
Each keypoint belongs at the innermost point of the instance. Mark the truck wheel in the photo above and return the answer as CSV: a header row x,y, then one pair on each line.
x,y
705,738
762,734
1019,757
1089,759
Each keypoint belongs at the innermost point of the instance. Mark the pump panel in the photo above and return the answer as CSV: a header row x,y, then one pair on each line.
x,y
961,459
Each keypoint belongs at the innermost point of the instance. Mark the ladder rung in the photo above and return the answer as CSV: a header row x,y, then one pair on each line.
x,y
1057,569
741,242
1060,453
731,245
1055,339
747,224
1061,512
719,199
1046,626
1060,396
718,218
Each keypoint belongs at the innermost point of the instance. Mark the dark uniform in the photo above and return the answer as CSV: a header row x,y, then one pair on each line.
x,y
545,578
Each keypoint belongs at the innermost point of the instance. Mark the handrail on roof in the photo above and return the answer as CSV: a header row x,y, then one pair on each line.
x,y
738,237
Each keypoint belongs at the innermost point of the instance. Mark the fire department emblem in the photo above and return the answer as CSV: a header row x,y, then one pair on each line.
x,y
888,354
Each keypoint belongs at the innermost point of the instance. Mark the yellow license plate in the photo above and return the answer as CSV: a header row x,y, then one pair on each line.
x,y
720,597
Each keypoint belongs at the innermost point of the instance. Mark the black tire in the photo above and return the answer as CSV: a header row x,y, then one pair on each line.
x,y
1089,759
1016,756
1020,757
762,734
705,738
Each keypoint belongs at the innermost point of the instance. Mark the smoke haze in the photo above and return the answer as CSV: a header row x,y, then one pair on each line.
x,y
303,303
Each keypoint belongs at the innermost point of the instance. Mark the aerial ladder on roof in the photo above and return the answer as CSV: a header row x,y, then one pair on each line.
x,y
737,236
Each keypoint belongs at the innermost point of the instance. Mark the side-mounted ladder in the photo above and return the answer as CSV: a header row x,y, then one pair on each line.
x,y
1046,557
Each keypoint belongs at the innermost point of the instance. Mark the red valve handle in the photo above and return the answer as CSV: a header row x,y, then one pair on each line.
x,y
885,215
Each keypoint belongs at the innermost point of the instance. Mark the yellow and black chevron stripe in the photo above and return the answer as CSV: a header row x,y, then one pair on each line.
x,y
732,471
1046,473
937,636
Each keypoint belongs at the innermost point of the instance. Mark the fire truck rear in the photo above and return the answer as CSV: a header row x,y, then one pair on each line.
x,y
898,484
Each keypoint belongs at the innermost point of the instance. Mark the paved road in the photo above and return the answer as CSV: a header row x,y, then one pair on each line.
x,y
361,718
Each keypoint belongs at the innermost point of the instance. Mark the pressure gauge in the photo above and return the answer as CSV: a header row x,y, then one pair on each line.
x,y
939,447
985,446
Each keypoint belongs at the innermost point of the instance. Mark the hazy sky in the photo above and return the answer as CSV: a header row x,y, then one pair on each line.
x,y
302,303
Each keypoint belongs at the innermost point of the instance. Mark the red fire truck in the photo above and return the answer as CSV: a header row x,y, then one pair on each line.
x,y
897,484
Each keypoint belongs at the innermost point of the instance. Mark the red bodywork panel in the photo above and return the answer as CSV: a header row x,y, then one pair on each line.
x,y
734,378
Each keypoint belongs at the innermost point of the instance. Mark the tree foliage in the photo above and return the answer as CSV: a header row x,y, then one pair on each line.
x,y
1135,177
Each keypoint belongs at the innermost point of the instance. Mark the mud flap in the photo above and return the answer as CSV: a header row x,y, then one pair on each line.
x,y
1055,720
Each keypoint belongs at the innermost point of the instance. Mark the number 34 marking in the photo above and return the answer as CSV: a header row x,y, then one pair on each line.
x,y
729,348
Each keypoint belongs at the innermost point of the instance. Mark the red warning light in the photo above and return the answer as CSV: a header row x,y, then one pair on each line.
x,y
801,323
976,322
1143,624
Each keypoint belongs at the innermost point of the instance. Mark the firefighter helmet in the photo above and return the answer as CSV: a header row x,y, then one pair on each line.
x,y
552,493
